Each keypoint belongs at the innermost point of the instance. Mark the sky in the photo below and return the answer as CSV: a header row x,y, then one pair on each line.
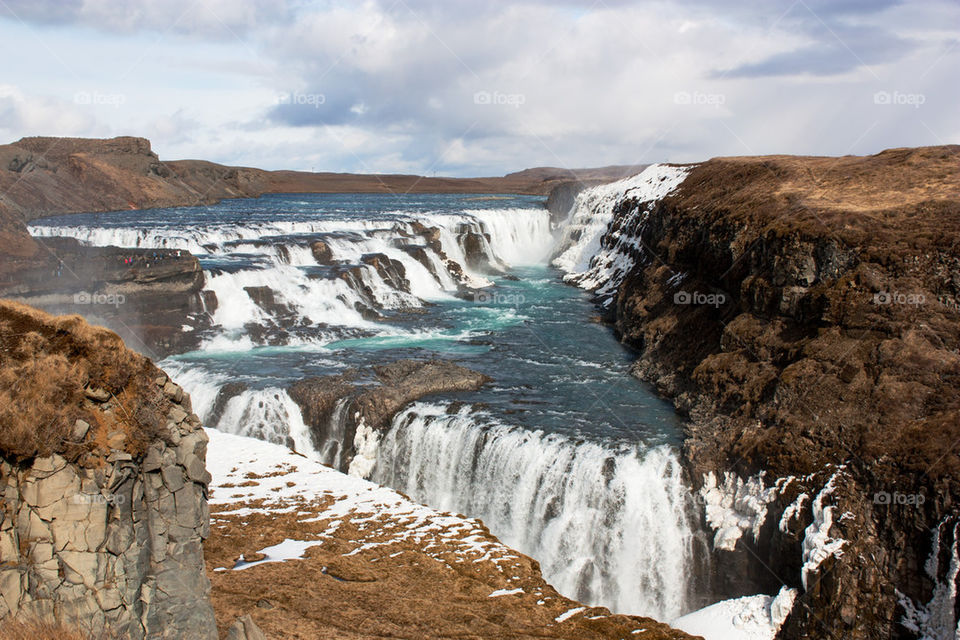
x,y
482,87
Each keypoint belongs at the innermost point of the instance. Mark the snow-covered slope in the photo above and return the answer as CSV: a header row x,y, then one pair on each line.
x,y
748,618
311,552
268,477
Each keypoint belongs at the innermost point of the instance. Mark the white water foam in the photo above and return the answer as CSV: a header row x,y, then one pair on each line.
x,y
601,266
610,526
279,255
266,414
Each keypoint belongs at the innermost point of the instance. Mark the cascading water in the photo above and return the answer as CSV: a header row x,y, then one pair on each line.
x,y
331,449
611,525
601,266
571,461
243,257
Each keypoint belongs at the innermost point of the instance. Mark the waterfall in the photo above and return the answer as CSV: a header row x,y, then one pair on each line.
x,y
331,449
596,250
266,414
265,275
610,525
610,522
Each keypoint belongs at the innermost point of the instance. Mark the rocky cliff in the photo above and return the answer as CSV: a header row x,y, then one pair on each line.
x,y
348,413
145,296
803,313
103,485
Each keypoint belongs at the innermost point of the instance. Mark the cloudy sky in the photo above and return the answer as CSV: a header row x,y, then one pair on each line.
x,y
469,87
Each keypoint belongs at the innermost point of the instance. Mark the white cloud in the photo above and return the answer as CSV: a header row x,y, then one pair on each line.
x,y
470,89
22,114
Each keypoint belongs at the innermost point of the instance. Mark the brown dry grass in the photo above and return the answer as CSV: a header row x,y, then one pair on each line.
x,y
39,630
895,201
406,588
46,362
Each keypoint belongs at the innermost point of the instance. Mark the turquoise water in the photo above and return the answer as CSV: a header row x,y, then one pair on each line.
x,y
553,368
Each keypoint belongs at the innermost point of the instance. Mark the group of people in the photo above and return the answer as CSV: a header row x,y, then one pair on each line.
x,y
130,260
143,259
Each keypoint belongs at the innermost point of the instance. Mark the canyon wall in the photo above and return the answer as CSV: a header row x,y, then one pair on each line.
x,y
803,314
103,485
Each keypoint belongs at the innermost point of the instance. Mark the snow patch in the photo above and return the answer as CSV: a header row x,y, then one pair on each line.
x,y
818,545
597,251
792,511
749,618
935,620
286,550
566,615
505,592
735,506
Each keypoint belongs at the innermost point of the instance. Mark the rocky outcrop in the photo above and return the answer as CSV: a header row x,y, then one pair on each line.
x,y
102,521
335,407
147,296
803,312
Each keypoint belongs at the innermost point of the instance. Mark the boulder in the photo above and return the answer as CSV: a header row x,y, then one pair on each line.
x,y
321,252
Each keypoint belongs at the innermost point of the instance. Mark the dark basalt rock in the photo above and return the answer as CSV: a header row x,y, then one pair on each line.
x,y
374,396
837,344
102,529
392,271
474,247
145,295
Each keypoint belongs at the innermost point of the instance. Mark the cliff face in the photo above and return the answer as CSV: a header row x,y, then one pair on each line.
x,y
804,313
47,176
143,295
103,485
347,412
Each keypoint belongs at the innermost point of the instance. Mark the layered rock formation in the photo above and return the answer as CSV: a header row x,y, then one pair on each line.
x,y
145,296
103,485
803,312
347,411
